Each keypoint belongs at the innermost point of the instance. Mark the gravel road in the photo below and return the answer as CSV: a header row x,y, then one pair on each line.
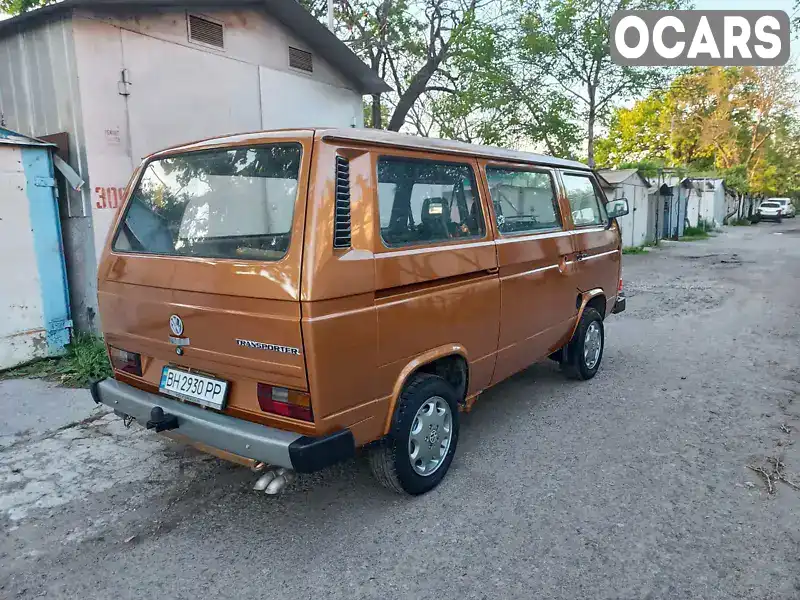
x,y
633,485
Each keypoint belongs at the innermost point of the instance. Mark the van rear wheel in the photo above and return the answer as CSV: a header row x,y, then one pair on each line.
x,y
419,449
585,349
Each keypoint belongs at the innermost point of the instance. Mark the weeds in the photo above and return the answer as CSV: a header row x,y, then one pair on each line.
x,y
740,222
695,233
634,250
85,361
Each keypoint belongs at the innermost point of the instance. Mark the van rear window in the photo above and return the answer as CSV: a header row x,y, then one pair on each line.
x,y
225,203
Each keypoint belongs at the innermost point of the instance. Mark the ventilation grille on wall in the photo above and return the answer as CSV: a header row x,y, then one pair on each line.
x,y
206,32
341,225
300,59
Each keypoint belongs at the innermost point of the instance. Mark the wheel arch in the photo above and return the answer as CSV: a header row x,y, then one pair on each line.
x,y
595,298
449,361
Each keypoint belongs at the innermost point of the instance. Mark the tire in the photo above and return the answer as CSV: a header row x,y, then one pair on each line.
x,y
578,366
391,461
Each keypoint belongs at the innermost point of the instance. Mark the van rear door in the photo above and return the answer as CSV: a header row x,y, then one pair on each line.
x,y
202,271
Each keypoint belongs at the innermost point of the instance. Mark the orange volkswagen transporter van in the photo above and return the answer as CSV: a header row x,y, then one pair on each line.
x,y
284,298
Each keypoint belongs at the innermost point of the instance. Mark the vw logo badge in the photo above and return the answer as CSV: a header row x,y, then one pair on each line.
x,y
176,325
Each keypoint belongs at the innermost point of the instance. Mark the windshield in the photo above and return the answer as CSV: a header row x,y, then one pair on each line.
x,y
770,205
226,203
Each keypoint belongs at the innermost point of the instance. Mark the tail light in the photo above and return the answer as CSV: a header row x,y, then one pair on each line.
x,y
127,362
286,402
619,287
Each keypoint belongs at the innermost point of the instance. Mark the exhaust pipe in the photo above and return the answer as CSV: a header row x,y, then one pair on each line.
x,y
282,479
263,481
274,480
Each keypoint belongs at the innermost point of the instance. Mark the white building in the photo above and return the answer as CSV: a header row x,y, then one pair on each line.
x,y
638,227
123,79
710,200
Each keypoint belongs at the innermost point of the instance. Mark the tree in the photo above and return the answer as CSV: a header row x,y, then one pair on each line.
x,y
15,7
492,101
466,54
738,121
570,40
408,43
637,133
472,103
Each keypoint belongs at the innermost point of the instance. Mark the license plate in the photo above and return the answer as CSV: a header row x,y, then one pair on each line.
x,y
193,387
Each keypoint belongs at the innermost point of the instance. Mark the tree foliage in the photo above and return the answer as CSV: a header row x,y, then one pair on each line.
x,y
491,99
408,43
738,121
569,41
15,7
455,69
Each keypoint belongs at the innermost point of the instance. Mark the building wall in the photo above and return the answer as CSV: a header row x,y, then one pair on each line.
x,y
39,96
637,227
711,205
653,217
313,103
251,37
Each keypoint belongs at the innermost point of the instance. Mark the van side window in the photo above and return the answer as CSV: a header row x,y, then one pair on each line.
x,y
523,200
583,200
427,201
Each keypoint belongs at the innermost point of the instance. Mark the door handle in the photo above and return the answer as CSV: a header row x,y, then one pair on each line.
x,y
493,270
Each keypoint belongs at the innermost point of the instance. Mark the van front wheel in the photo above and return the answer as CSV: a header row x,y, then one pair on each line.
x,y
585,350
417,453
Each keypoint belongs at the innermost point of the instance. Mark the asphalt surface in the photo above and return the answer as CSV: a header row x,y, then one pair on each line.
x,y
633,485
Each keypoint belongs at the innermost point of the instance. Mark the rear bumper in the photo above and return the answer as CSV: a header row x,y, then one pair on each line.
x,y
276,447
619,305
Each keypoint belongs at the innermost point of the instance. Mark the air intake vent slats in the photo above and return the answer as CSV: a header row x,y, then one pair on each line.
x,y
206,32
300,59
341,225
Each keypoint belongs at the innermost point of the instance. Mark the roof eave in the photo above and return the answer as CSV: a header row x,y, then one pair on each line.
x,y
298,20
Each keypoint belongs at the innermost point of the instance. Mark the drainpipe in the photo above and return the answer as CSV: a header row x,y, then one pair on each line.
x,y
658,207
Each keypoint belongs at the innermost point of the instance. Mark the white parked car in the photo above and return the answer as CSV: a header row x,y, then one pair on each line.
x,y
770,210
788,209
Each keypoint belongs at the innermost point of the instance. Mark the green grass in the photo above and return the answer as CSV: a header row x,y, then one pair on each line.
x,y
691,234
85,361
634,250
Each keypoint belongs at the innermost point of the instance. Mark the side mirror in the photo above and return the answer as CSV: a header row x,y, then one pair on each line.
x,y
617,208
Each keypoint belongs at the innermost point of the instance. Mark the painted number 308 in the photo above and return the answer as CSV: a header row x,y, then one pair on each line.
x,y
109,197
